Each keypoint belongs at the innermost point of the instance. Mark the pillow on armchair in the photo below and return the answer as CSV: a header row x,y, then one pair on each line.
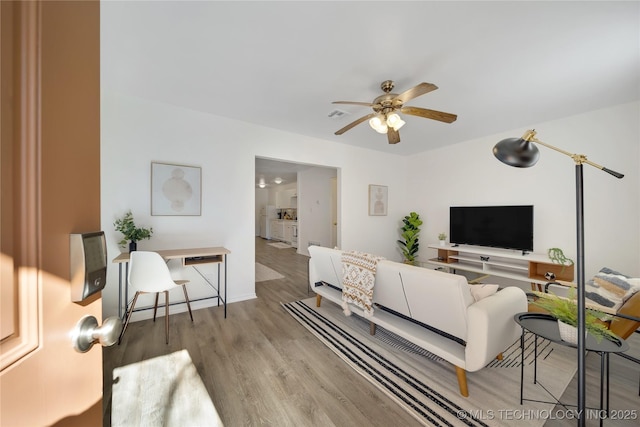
x,y
611,288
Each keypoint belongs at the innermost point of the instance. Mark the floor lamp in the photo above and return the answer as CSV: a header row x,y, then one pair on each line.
x,y
522,153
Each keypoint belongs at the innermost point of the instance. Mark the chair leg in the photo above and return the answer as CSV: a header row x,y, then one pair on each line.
x,y
126,322
155,306
186,298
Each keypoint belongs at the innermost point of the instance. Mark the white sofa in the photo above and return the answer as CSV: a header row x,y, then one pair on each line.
x,y
469,334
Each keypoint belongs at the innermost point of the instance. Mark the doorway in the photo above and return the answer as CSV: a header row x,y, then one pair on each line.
x,y
316,199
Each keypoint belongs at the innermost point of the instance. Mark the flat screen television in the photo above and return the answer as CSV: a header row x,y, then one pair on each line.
x,y
507,227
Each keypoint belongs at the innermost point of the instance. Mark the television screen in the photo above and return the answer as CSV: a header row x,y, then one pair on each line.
x,y
508,227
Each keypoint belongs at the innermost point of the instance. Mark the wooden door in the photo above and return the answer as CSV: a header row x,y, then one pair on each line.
x,y
50,160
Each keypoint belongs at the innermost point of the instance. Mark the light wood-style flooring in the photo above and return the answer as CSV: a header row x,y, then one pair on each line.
x,y
260,367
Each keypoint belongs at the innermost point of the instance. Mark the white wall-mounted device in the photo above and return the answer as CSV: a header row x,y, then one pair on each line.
x,y
88,258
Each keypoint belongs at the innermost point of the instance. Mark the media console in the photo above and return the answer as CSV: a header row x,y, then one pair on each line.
x,y
514,265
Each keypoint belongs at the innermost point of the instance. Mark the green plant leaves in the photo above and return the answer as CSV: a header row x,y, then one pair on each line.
x,y
566,310
410,231
131,233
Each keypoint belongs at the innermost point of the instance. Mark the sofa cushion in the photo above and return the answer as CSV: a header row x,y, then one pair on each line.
x,y
432,297
482,291
611,288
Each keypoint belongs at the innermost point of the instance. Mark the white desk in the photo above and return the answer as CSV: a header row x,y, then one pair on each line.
x,y
190,258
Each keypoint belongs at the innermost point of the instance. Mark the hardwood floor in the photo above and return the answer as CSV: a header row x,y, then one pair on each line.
x,y
260,367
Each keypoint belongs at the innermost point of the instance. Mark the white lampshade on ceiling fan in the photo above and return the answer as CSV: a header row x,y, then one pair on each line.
x,y
381,124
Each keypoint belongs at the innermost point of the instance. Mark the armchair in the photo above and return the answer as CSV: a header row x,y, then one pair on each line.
x,y
613,293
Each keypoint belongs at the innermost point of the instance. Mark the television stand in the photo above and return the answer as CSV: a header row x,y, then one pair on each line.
x,y
522,266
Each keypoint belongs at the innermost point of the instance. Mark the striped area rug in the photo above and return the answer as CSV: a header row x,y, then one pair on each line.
x,y
426,386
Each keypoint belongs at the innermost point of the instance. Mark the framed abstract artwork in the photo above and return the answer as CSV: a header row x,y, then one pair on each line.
x,y
175,189
378,200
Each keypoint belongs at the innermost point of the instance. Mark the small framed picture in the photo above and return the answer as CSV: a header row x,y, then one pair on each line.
x,y
175,189
378,200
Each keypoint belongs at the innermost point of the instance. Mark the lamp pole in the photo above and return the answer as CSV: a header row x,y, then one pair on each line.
x,y
522,153
581,296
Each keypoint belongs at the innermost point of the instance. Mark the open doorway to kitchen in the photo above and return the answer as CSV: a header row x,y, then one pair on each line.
x,y
297,204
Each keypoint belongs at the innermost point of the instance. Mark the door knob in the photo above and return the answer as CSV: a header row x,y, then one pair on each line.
x,y
87,332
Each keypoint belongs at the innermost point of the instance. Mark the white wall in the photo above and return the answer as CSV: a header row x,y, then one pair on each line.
x,y
136,132
468,174
314,207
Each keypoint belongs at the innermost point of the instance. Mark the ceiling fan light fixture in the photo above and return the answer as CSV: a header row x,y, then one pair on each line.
x,y
278,180
378,124
395,121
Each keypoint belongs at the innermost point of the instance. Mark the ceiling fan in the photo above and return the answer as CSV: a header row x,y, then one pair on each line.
x,y
385,117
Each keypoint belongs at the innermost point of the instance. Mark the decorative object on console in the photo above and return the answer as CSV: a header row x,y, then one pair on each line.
x,y
442,237
410,231
378,195
550,275
131,233
175,189
557,255
522,153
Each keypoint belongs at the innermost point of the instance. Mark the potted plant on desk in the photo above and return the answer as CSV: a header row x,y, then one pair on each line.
x,y
131,233
565,311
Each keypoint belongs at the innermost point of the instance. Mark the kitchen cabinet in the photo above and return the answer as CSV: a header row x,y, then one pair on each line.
x,y
277,230
285,231
288,231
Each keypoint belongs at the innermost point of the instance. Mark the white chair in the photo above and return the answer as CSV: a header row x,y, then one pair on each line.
x,y
149,273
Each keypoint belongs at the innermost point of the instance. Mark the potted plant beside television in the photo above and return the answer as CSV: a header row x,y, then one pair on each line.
x,y
410,231
131,232
442,237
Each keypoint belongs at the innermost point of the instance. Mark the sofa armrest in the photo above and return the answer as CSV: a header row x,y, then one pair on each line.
x,y
491,327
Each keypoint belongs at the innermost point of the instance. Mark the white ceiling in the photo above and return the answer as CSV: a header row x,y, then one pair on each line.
x,y
498,65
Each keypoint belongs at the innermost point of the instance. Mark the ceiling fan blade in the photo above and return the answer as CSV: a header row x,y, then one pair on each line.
x,y
416,91
355,123
366,104
393,136
429,114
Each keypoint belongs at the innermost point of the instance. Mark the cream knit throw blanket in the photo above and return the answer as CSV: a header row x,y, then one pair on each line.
x,y
358,278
